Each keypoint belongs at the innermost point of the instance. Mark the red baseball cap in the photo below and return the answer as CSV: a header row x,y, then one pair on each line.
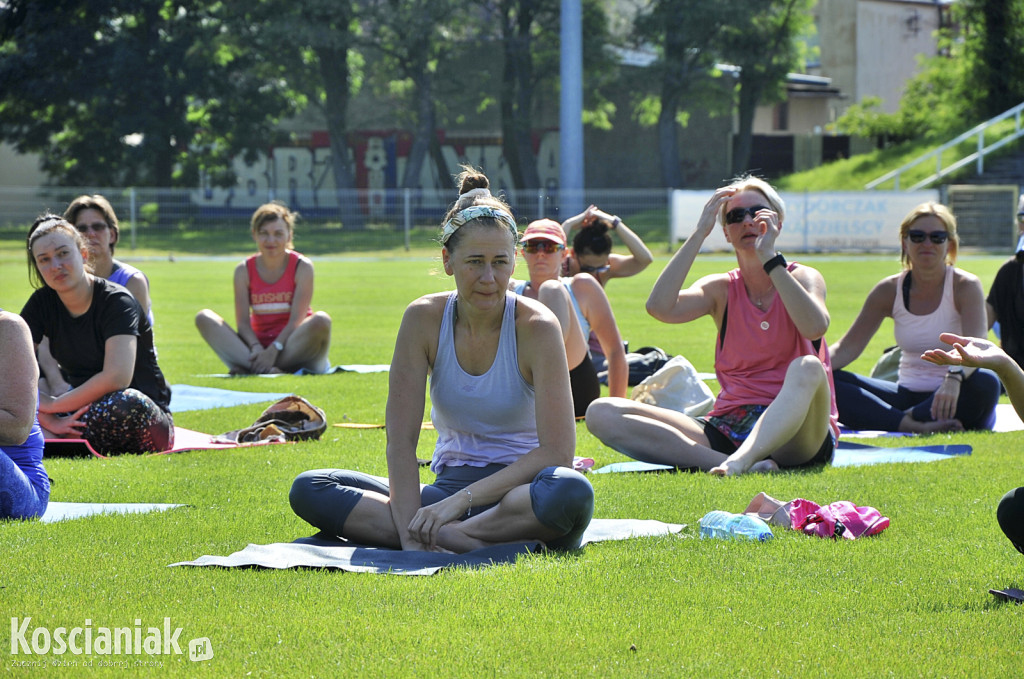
x,y
544,229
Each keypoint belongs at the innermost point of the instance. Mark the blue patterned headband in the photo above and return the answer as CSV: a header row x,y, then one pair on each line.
x,y
462,217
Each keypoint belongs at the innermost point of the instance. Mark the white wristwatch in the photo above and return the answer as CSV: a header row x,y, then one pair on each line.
x,y
277,345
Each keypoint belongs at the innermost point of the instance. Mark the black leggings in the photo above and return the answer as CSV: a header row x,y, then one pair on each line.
x,y
585,386
1010,515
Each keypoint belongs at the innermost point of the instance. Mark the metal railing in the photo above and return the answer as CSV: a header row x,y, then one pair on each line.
x,y
361,219
977,157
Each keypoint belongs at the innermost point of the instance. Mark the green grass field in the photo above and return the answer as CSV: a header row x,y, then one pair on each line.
x,y
911,602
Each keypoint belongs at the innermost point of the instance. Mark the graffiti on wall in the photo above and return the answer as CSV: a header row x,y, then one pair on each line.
x,y
302,176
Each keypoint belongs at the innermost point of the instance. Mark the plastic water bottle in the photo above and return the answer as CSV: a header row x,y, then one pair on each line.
x,y
719,524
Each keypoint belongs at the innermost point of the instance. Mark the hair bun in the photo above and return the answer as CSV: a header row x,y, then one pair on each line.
x,y
471,179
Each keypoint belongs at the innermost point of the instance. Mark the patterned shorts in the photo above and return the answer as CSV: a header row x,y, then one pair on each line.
x,y
736,424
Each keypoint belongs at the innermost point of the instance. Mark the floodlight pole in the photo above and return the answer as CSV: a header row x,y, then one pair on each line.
x,y
570,166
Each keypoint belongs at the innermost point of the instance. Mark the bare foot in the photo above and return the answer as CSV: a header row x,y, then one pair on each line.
x,y
909,424
734,468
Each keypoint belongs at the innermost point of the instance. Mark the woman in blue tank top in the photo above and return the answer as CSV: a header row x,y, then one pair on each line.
x,y
501,403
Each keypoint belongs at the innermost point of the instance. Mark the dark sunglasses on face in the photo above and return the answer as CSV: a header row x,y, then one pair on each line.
x,y
535,246
95,227
594,269
738,214
918,236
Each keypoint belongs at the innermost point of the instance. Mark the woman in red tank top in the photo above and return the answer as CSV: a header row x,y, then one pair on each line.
x,y
277,329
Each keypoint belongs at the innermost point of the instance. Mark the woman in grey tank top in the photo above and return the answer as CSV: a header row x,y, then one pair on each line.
x,y
501,402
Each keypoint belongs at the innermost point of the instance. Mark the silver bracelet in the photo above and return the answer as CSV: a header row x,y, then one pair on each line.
x,y
469,509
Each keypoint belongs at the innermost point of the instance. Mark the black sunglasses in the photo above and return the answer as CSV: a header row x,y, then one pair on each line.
x,y
738,214
594,269
918,236
95,227
535,246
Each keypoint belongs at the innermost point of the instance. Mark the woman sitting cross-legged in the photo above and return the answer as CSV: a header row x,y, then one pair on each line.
x,y
775,408
119,401
501,404
928,297
277,329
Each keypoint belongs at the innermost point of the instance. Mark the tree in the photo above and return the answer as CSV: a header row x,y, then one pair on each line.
x,y
763,42
133,92
687,34
313,45
411,36
994,48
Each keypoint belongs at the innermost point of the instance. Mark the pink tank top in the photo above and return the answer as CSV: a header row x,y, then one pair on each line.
x,y
758,345
270,304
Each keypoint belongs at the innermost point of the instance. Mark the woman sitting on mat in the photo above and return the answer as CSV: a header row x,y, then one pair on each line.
x,y
99,334
501,404
973,352
775,407
928,297
277,329
24,485
581,305
591,253
95,219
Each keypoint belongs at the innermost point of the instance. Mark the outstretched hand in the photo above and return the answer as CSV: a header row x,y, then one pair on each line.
x,y
973,352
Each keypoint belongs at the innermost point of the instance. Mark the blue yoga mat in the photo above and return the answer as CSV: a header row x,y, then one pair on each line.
x,y
187,397
847,454
63,511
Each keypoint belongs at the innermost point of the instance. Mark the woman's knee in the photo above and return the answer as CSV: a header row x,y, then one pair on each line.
x,y
206,319
602,413
807,372
562,499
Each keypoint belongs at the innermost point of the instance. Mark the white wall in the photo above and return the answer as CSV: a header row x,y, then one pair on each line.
x,y
826,221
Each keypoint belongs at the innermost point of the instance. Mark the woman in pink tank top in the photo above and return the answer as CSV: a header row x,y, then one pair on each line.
x,y
929,297
776,406
277,329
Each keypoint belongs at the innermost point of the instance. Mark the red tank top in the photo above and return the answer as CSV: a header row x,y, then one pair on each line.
x,y
270,304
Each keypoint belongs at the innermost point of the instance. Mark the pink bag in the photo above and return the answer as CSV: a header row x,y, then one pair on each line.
x,y
842,519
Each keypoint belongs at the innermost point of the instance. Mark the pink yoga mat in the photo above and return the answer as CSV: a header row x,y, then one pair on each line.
x,y
184,439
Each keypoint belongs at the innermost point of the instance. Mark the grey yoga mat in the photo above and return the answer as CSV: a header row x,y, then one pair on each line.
x,y
317,553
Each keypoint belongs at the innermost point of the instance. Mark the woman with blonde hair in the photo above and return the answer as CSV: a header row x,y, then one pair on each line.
x,y
277,329
928,297
775,407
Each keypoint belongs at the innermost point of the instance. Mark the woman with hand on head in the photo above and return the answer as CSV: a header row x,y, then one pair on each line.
x,y
119,400
591,253
582,308
24,485
592,247
974,352
499,390
277,329
928,297
95,219
775,406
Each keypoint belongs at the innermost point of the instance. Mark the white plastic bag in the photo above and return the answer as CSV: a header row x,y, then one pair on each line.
x,y
676,386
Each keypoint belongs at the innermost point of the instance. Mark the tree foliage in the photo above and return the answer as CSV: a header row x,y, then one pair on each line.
x,y
143,92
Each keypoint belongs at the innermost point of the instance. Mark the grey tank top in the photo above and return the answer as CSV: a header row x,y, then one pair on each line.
x,y
481,419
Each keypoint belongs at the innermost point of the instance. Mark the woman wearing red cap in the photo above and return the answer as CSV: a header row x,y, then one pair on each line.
x,y
581,305
776,405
